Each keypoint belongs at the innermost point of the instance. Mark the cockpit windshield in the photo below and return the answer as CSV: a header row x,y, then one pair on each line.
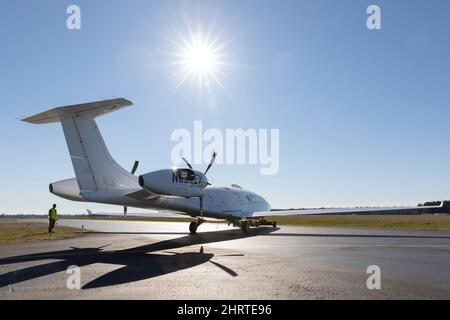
x,y
186,175
189,176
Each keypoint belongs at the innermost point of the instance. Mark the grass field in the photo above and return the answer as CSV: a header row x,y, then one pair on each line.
x,y
12,231
428,222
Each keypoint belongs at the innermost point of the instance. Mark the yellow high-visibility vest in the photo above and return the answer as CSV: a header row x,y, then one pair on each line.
x,y
52,214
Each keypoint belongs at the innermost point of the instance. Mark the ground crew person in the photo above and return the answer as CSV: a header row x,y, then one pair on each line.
x,y
52,217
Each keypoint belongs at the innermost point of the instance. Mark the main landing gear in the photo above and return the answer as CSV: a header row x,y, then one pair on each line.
x,y
194,225
246,224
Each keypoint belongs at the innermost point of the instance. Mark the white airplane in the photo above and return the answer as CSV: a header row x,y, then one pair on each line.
x,y
104,214
182,190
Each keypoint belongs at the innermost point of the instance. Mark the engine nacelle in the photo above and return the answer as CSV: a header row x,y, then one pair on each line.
x,y
67,189
177,182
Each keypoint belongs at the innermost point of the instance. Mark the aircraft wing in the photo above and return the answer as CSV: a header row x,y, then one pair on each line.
x,y
142,195
338,211
147,195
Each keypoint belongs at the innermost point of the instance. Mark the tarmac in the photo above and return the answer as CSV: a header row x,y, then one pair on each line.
x,y
161,260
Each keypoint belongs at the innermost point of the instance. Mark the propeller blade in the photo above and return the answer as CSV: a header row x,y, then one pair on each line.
x,y
135,166
211,163
187,163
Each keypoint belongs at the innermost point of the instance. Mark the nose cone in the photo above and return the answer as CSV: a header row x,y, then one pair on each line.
x,y
268,206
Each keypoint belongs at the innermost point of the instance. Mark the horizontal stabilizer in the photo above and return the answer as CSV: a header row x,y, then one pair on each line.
x,y
95,109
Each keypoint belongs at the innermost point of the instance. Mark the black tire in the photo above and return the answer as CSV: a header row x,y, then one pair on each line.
x,y
245,227
193,227
274,224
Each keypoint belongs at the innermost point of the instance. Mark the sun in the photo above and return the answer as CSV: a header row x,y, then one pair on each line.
x,y
200,58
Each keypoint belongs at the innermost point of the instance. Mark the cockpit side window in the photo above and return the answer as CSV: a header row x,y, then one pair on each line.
x,y
186,176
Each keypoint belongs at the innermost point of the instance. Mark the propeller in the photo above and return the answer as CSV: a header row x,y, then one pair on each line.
x,y
187,163
133,170
213,159
135,166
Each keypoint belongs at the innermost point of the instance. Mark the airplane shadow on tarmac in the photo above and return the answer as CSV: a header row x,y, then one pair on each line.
x,y
137,263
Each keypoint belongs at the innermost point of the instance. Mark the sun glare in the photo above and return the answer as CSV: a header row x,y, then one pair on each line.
x,y
200,59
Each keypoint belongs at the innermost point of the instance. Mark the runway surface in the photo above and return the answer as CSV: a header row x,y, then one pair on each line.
x,y
160,260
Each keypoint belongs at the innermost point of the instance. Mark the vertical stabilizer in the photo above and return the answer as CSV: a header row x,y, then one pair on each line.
x,y
94,167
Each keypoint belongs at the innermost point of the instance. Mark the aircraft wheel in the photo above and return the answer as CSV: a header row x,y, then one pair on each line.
x,y
274,224
245,227
193,227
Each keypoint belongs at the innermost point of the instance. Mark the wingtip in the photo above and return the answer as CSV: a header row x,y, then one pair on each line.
x,y
129,102
27,120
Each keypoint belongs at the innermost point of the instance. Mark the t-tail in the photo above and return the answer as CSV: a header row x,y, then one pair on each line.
x,y
94,167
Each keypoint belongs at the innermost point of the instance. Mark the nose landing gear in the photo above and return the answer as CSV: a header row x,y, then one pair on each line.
x,y
245,227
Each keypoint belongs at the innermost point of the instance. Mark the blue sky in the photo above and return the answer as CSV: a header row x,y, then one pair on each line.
x,y
363,115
